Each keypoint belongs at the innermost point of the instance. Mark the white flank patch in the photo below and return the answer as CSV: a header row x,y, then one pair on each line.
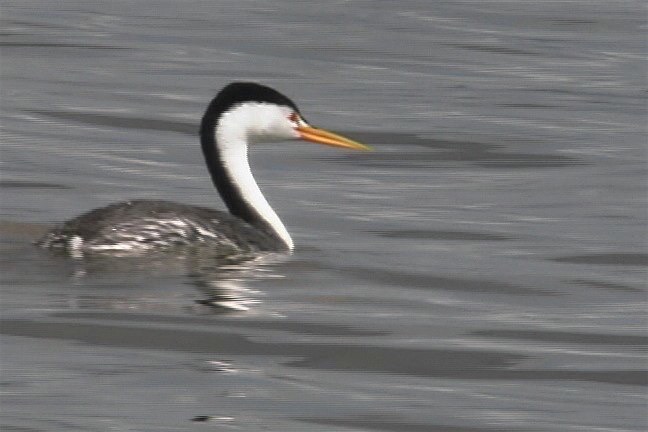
x,y
76,243
75,246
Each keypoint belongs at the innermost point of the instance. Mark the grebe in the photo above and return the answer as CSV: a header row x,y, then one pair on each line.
x,y
241,114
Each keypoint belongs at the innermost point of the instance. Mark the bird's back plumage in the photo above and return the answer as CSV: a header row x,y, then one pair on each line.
x,y
141,225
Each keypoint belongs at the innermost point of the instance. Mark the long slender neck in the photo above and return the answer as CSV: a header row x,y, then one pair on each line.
x,y
225,147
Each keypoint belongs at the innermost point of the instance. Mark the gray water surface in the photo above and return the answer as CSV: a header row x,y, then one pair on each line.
x,y
484,269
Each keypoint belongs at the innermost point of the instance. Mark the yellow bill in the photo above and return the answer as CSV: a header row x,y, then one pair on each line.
x,y
322,136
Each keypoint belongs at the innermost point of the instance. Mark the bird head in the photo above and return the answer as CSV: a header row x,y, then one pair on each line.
x,y
256,113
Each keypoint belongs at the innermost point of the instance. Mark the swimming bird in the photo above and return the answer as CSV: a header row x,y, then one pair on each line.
x,y
240,115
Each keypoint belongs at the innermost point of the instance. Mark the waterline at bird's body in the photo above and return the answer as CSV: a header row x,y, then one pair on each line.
x,y
143,225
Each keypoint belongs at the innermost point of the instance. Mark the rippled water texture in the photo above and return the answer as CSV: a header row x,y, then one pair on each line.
x,y
483,270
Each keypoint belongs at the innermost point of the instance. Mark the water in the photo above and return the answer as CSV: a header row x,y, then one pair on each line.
x,y
483,270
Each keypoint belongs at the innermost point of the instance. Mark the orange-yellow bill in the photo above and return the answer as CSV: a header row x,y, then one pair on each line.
x,y
322,136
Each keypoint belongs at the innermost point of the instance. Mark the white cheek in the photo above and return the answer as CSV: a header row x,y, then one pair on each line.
x,y
259,122
280,129
295,134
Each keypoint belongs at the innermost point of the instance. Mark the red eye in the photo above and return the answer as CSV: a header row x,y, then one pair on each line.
x,y
294,117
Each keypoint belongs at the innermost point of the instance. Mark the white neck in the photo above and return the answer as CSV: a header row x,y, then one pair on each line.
x,y
233,148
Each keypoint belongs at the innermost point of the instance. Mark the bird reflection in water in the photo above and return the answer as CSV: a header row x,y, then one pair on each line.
x,y
227,289
222,281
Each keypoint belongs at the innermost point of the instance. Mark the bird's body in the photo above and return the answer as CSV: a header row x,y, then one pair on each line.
x,y
144,225
240,115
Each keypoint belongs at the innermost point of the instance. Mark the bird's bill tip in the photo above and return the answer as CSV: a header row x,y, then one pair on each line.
x,y
321,136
